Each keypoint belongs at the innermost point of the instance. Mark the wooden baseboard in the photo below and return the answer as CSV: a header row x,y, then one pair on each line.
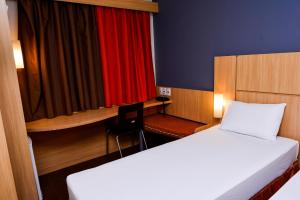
x,y
141,5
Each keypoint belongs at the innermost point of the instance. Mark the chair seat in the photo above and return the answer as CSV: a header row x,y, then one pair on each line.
x,y
170,125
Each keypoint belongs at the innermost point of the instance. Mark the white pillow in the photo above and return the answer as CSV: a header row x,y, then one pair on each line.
x,y
258,120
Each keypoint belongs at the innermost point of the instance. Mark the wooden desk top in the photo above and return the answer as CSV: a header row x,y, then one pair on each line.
x,y
80,118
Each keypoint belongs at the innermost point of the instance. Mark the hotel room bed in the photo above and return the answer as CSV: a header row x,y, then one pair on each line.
x,y
290,190
211,164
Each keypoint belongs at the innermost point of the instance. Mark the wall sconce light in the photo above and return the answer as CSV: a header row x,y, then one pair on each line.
x,y
218,105
18,54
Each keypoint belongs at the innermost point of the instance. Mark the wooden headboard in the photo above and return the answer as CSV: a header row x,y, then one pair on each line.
x,y
263,78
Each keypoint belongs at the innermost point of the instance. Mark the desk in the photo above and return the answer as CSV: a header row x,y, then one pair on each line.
x,y
80,118
78,137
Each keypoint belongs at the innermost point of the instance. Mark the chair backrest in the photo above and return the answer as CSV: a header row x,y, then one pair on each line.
x,y
131,116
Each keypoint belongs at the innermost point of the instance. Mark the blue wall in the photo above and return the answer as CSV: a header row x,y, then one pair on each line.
x,y
190,33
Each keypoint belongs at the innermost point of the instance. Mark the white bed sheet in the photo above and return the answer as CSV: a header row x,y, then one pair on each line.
x,y
290,191
212,164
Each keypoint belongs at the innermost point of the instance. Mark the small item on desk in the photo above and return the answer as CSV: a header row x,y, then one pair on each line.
x,y
163,99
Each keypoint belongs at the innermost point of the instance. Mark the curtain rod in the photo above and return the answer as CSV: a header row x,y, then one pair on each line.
x,y
140,5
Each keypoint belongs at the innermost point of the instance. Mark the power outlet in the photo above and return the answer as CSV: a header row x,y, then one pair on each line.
x,y
168,92
163,91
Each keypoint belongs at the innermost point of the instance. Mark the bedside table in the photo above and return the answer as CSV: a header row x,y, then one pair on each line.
x,y
170,126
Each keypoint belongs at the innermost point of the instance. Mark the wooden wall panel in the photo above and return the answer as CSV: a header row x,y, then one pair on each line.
x,y
12,113
225,77
55,150
7,184
190,104
61,149
141,5
273,73
290,126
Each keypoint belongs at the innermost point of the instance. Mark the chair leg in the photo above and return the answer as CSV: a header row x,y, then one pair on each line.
x,y
118,143
144,139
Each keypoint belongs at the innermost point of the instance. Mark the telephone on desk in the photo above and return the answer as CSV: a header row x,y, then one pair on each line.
x,y
162,98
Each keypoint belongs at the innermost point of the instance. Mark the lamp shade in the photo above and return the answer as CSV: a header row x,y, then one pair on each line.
x,y
218,105
18,54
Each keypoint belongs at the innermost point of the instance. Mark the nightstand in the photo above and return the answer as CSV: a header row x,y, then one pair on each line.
x,y
171,126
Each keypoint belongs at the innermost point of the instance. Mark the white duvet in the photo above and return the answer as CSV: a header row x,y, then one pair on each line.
x,y
212,164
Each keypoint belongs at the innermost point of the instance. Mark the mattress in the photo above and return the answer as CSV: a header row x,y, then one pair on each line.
x,y
290,190
211,164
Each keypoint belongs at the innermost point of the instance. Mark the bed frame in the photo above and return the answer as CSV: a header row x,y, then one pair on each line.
x,y
264,78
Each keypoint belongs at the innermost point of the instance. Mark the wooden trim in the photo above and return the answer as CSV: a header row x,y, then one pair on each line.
x,y
140,5
7,190
266,92
12,113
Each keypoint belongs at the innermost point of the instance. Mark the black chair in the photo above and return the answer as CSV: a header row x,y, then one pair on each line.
x,y
130,121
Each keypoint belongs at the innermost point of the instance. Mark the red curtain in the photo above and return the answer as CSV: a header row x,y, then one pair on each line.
x,y
125,43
